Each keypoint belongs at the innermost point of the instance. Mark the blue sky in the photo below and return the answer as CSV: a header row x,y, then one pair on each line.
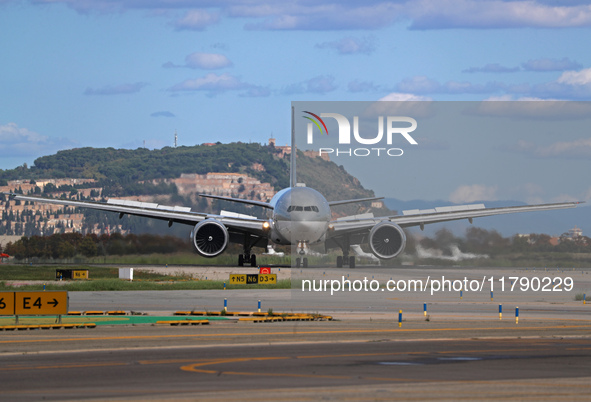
x,y
107,73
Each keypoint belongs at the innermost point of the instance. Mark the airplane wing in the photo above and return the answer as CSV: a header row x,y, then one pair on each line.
x,y
182,215
333,203
241,200
441,214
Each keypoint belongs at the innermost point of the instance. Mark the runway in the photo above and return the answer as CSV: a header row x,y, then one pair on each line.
x,y
376,361
460,349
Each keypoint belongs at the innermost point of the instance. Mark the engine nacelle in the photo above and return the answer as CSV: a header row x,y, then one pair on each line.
x,y
210,238
387,240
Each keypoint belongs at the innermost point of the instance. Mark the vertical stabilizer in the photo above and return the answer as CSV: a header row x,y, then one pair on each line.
x,y
292,167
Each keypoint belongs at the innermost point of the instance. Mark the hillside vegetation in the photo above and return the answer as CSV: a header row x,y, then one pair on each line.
x,y
143,172
122,166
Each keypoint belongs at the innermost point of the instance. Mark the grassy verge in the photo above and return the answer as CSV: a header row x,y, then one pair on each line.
x,y
117,284
162,259
47,273
107,278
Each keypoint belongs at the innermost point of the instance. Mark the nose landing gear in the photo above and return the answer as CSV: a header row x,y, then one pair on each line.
x,y
302,249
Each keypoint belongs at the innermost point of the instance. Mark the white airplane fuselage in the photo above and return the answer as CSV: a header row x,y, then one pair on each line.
x,y
301,216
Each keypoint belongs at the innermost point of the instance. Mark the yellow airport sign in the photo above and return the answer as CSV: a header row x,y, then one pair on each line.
x,y
80,274
41,303
6,303
253,279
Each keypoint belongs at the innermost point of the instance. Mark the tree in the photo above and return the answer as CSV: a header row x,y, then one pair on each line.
x,y
88,247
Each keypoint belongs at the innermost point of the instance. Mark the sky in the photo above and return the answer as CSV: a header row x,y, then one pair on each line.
x,y
131,73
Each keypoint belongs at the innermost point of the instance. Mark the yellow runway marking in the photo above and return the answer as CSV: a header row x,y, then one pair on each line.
x,y
197,367
243,334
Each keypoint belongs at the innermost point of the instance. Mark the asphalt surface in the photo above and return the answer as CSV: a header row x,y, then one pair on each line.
x,y
284,361
460,350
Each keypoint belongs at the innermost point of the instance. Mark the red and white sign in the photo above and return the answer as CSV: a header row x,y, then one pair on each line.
x,y
264,270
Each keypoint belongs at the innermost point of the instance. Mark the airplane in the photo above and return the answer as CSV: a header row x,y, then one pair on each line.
x,y
300,217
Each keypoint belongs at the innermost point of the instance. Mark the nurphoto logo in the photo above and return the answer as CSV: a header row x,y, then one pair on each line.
x,y
392,128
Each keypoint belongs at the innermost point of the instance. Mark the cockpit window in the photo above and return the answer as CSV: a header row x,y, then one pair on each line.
x,y
309,208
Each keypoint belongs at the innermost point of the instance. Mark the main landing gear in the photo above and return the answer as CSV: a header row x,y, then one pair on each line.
x,y
246,257
345,260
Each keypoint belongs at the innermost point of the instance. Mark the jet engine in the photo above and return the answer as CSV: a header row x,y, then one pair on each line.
x,y
387,240
210,238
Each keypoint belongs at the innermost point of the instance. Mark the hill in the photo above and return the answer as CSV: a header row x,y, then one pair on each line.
x,y
170,176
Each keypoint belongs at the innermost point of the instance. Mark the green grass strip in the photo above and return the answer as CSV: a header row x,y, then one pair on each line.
x,y
118,284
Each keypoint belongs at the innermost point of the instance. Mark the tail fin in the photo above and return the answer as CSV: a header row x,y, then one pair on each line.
x,y
292,168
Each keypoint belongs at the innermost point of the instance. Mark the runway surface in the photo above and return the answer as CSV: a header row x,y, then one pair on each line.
x,y
282,361
459,350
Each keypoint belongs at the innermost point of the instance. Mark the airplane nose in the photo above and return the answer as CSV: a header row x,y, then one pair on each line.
x,y
308,231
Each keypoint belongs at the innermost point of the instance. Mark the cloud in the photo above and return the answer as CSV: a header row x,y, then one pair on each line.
x,y
580,148
574,85
472,193
532,108
350,45
496,14
582,77
424,85
17,141
361,86
403,97
317,85
162,114
491,68
211,82
256,92
396,104
122,89
196,20
204,61
550,65
214,84
302,15
370,15
540,65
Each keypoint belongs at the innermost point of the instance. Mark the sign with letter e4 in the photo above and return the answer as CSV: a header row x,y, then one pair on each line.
x,y
41,303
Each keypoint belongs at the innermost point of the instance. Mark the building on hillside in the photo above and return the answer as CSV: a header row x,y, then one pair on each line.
x,y
286,150
575,232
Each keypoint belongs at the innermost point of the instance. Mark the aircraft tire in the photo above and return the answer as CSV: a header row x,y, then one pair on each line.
x,y
339,262
352,262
